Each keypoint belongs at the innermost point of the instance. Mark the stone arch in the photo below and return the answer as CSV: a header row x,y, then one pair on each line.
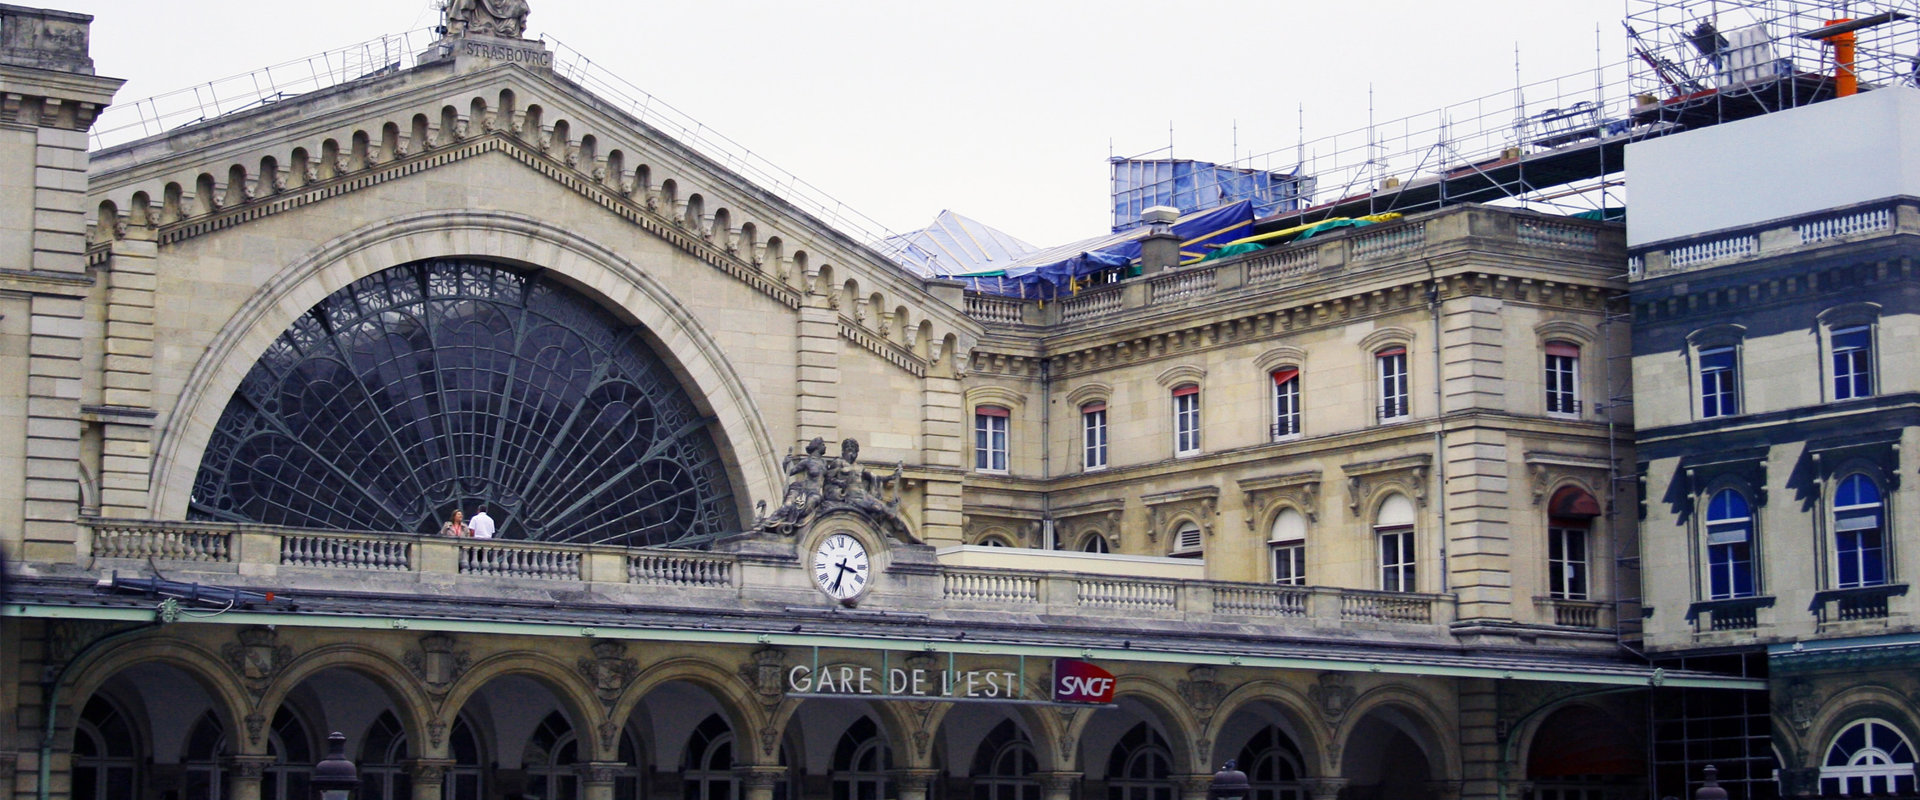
x,y
359,156
1568,330
1384,337
995,396
1530,734
891,717
389,142
1089,392
1853,704
415,708
236,187
231,702
740,708
1167,707
329,159
1443,756
1278,357
590,267
1292,704
270,180
1179,374
575,698
106,222
419,133
1041,728
616,169
140,210
203,195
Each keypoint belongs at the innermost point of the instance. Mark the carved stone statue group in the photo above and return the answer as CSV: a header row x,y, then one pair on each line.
x,y
819,484
506,19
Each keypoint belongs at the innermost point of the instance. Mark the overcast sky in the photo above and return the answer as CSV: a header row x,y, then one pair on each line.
x,y
1003,110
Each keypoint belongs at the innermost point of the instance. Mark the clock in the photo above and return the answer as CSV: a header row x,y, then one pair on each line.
x,y
841,568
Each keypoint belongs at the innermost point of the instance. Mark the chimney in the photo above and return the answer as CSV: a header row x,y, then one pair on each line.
x,y
1160,248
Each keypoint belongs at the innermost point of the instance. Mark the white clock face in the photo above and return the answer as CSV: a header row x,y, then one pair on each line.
x,y
840,567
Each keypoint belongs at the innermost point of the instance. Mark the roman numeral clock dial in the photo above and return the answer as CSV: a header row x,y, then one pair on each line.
x,y
841,568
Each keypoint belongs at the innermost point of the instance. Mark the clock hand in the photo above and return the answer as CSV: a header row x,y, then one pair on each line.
x,y
841,574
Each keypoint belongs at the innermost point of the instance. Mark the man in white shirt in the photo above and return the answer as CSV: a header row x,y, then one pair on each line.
x,y
481,524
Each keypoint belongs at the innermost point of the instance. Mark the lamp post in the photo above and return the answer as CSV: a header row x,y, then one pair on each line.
x,y
1229,784
335,778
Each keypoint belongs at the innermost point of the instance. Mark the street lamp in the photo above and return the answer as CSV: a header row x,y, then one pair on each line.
x,y
1228,784
335,778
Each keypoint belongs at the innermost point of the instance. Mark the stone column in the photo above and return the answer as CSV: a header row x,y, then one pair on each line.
x,y
1324,788
1057,785
757,782
912,784
429,774
596,779
243,776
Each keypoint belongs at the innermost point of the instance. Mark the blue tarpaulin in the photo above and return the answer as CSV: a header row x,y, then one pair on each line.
x,y
1052,272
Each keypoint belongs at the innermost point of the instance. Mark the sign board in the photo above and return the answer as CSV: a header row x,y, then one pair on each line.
x,y
1076,681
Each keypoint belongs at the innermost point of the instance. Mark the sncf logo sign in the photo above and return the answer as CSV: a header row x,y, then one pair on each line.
x,y
1076,681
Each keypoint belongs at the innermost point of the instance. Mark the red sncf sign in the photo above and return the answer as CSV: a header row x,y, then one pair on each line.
x,y
1076,681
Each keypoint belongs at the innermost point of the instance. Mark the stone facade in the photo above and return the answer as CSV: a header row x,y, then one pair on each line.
x,y
1452,488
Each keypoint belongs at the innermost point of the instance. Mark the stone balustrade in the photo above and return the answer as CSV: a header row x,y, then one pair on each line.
x,y
1410,241
1865,220
300,560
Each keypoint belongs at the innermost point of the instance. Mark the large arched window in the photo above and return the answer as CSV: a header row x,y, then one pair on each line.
x,y
384,772
862,764
1868,757
1004,765
1729,546
1859,533
549,759
440,385
1393,528
1140,767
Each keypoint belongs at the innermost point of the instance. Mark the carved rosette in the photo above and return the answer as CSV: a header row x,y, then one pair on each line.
x,y
608,670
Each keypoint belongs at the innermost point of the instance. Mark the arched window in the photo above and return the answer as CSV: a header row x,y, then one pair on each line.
x,y
862,764
1139,767
1287,545
205,756
1286,403
1093,543
549,758
1393,527
465,780
1093,435
1868,757
1570,517
1186,541
990,438
1186,419
1003,767
707,768
1729,546
106,754
1272,766
1859,533
993,540
384,774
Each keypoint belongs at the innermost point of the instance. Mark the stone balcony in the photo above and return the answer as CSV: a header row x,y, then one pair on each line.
x,y
1092,593
1485,232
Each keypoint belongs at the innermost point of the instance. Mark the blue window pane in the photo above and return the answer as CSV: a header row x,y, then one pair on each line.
x,y
1856,490
1727,504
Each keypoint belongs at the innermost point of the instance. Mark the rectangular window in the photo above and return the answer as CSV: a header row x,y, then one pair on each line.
x,y
1396,560
1563,379
1286,404
1186,420
1393,382
1719,383
990,439
1290,563
1093,436
1567,562
1862,558
1852,363
1729,570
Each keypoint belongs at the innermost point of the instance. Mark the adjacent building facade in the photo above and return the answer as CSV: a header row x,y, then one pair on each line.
x,y
1348,511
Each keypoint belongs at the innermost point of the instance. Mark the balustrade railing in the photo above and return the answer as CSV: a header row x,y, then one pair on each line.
x,y
1278,265
1182,285
679,569
1088,305
989,586
346,551
1715,250
1261,601
996,309
1386,606
1394,239
502,560
160,540
1547,233
1869,221
1576,613
1133,594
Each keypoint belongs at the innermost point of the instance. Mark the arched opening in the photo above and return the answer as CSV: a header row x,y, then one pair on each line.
x,y
1390,749
1266,740
1140,766
862,766
107,753
444,385
1582,753
1868,757
1004,765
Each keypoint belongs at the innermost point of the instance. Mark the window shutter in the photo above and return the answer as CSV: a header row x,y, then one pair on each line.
x,y
991,411
1563,349
1392,351
1283,375
1183,391
1094,407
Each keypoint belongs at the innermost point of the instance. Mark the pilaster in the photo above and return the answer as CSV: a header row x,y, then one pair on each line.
x,y
429,774
52,480
818,387
1479,509
1480,743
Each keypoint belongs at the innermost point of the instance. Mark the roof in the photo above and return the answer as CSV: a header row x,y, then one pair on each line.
x,y
954,244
